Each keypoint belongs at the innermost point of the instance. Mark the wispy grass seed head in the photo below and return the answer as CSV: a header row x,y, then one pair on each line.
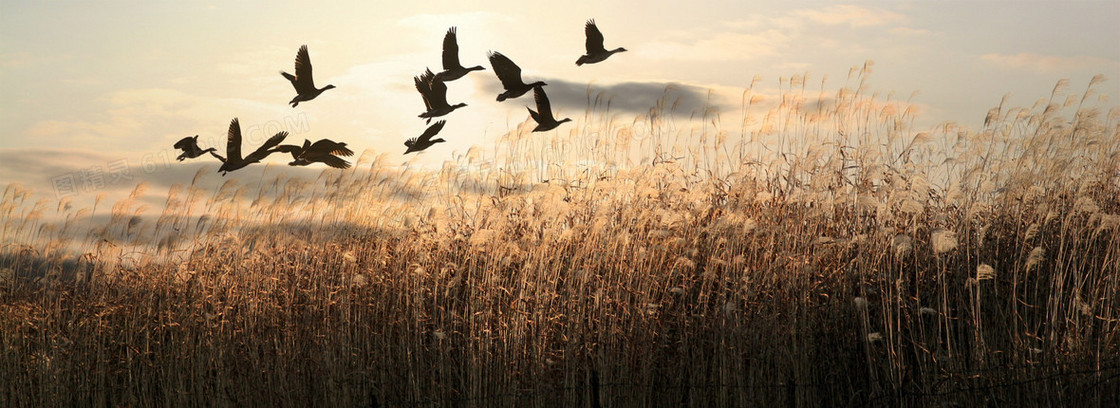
x,y
943,240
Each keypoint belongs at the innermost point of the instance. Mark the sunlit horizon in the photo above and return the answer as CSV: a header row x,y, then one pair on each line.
x,y
141,76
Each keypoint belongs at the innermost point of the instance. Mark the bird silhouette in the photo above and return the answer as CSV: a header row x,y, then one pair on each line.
x,y
543,115
234,160
302,80
434,93
425,140
323,151
189,146
510,75
594,45
452,70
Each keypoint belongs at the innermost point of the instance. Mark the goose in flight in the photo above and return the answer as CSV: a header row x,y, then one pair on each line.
x,y
543,115
425,140
302,80
323,151
435,96
510,75
594,45
234,160
452,69
189,146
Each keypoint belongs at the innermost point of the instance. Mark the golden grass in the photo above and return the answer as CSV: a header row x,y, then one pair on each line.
x,y
826,254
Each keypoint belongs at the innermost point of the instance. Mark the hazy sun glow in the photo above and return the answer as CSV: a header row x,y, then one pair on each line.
x,y
121,82
758,204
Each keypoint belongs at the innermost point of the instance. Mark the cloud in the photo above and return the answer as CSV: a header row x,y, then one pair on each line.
x,y
137,119
569,97
1050,63
908,31
756,22
793,66
392,75
727,46
758,37
854,16
451,19
40,164
84,174
254,63
21,59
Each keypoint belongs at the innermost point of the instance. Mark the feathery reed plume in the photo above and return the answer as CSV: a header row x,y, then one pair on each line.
x,y
624,248
985,272
943,241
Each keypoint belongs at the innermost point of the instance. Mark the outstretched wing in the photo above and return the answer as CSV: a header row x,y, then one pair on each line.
x,y
424,85
544,108
186,143
410,142
424,89
430,131
507,72
267,148
594,42
427,76
304,81
438,94
327,146
334,161
273,141
233,141
450,50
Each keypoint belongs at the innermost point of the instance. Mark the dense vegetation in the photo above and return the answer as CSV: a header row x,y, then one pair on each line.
x,y
822,253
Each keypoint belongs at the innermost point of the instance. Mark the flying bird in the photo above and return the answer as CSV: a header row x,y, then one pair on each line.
x,y
452,70
543,115
510,75
425,140
323,151
234,160
594,45
302,80
189,146
434,93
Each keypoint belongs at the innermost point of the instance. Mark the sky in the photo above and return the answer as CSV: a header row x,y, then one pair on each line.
x,y
103,89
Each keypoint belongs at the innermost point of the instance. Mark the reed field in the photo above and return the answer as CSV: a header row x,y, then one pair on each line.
x,y
821,252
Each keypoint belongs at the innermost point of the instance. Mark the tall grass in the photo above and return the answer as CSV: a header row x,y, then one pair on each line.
x,y
821,252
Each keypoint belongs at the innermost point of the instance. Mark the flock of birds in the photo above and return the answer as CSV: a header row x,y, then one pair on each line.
x,y
433,89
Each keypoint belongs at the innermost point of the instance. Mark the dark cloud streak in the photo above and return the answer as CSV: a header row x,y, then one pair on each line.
x,y
37,167
628,97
